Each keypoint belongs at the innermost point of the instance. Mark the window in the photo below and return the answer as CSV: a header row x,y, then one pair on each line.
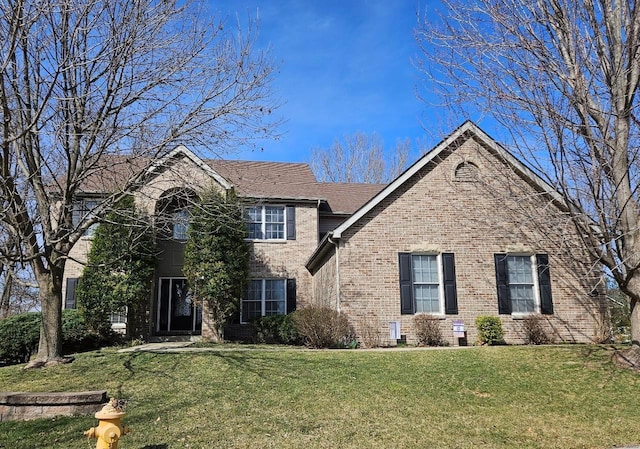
x,y
428,284
524,284
119,319
270,222
266,297
82,211
180,224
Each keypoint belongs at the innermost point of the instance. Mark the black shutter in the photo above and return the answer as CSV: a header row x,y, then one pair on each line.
x,y
291,295
450,291
544,282
406,288
70,299
291,223
502,282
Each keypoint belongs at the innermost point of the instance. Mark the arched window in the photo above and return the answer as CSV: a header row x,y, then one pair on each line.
x,y
172,213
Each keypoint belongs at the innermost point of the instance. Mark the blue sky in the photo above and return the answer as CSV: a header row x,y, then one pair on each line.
x,y
345,67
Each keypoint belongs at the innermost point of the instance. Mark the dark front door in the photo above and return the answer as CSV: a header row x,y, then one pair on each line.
x,y
176,311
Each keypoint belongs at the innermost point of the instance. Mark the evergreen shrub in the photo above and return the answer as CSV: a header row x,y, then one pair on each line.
x,y
276,329
490,330
20,334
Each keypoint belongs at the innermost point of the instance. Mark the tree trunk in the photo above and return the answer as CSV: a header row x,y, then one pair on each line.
x,y
5,300
50,344
631,357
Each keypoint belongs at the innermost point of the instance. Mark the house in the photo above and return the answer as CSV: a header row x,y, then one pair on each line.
x,y
468,230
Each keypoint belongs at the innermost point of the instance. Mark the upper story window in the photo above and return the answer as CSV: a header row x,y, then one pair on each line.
x,y
524,284
270,222
180,224
82,210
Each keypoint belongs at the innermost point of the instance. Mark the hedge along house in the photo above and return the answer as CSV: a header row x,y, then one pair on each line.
x,y
466,231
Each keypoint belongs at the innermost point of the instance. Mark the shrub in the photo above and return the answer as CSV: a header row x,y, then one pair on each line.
x,y
19,335
490,330
78,336
278,329
119,270
370,334
534,332
428,331
323,327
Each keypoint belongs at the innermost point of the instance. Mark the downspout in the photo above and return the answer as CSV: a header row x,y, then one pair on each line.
x,y
336,243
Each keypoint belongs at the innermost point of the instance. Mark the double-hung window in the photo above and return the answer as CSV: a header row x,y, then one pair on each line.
x,y
427,283
524,284
264,297
82,210
270,222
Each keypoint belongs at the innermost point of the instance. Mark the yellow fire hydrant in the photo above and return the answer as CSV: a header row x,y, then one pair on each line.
x,y
109,429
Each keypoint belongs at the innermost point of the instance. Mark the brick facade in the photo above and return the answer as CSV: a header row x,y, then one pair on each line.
x,y
464,198
440,211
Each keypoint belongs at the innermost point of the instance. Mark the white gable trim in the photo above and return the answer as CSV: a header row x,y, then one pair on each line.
x,y
467,126
183,151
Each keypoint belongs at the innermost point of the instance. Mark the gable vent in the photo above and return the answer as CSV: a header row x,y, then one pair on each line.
x,y
467,171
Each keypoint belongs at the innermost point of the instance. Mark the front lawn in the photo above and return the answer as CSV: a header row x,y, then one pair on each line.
x,y
488,397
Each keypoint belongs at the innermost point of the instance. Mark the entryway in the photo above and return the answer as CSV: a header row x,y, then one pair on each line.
x,y
176,311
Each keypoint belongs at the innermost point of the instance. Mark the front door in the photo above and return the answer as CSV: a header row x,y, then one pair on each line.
x,y
176,311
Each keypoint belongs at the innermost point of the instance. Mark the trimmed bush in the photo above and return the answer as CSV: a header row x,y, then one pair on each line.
x,y
20,335
534,332
323,327
278,329
78,336
428,331
490,330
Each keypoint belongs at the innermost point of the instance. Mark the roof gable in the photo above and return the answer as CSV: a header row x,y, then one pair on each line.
x,y
470,130
182,152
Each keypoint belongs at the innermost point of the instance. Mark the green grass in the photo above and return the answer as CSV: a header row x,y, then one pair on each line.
x,y
488,397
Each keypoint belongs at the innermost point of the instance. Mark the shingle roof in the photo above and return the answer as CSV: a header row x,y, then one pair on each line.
x,y
346,198
268,180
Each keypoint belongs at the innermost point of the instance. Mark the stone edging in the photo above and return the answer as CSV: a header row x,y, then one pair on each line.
x,y
26,406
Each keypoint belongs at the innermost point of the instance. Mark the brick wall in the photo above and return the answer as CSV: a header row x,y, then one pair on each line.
x,y
474,218
286,259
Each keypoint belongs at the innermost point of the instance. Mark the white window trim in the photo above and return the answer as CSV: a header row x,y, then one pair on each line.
x,y
263,222
440,313
263,301
536,287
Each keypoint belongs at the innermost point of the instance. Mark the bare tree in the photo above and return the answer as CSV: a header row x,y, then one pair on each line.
x,y
562,76
360,158
82,82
